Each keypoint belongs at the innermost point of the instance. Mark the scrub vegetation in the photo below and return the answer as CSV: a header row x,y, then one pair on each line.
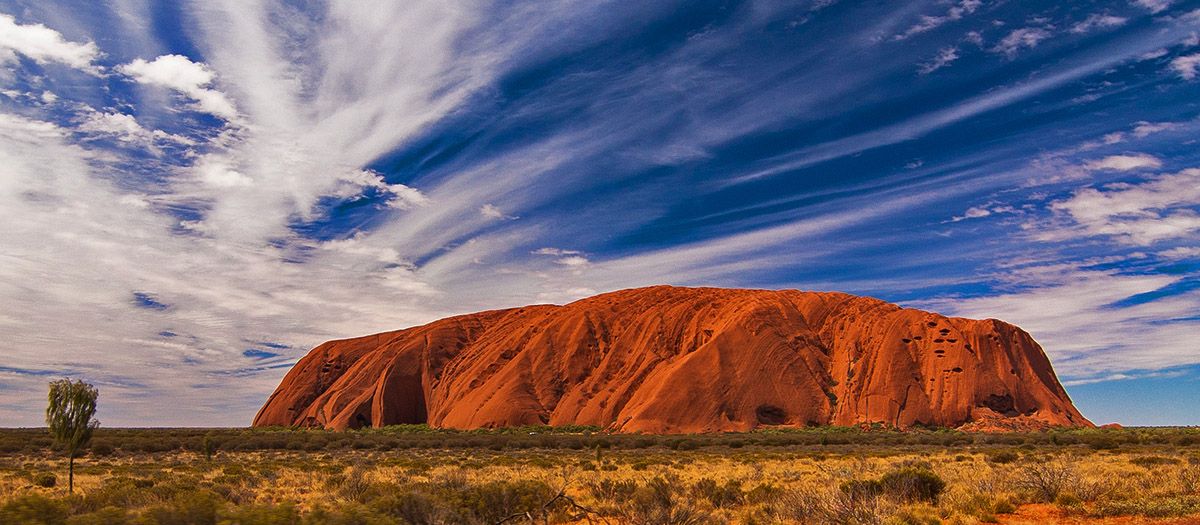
x,y
418,475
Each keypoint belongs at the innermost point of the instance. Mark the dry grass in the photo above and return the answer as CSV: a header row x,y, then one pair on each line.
x,y
652,485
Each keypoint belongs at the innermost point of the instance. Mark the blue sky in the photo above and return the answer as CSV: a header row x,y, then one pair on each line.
x,y
192,194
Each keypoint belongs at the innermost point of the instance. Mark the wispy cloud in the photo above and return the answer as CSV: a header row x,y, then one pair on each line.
x,y
930,22
1025,37
1125,162
1155,6
290,176
1098,21
945,57
1186,66
1143,214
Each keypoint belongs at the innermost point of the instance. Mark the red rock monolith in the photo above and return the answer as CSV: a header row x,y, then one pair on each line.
x,y
681,360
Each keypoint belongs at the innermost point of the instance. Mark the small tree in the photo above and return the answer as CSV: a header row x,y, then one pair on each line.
x,y
208,447
69,416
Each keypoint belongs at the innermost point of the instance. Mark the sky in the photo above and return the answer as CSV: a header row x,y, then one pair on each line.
x,y
193,194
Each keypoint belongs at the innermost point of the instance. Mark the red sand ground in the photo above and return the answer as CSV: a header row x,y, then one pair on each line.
x,y
1051,515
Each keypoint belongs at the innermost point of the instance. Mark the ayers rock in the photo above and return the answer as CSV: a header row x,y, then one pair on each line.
x,y
679,360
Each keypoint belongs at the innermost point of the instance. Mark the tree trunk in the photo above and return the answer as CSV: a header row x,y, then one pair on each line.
x,y
71,474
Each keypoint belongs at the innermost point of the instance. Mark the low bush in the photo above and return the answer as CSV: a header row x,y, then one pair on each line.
x,y
1003,457
188,508
833,507
285,514
493,501
612,491
34,509
45,479
1151,507
1045,479
913,484
719,495
414,507
658,502
1154,461
105,516
861,488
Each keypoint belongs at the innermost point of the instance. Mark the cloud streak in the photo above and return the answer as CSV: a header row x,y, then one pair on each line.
x,y
261,172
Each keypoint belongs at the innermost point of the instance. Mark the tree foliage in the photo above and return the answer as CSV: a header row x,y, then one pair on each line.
x,y
72,406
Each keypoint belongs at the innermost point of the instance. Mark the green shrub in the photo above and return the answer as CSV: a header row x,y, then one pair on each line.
x,y
1154,507
45,479
413,507
493,501
915,516
763,494
34,509
285,514
658,502
613,491
1004,507
1003,457
913,484
105,516
719,495
861,489
187,508
1154,461
352,514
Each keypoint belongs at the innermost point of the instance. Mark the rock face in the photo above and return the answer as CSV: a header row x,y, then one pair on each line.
x,y
680,360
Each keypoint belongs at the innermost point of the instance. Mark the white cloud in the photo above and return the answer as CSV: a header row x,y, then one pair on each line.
x,y
492,212
1155,6
125,128
1026,37
405,197
1140,214
557,252
1144,129
1186,66
945,56
179,73
976,212
1181,252
43,45
1120,376
1097,21
104,243
213,171
1151,55
927,23
400,196
1125,162
979,212
573,261
217,241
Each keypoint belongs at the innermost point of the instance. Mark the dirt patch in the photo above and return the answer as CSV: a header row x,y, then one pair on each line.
x,y
1042,514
